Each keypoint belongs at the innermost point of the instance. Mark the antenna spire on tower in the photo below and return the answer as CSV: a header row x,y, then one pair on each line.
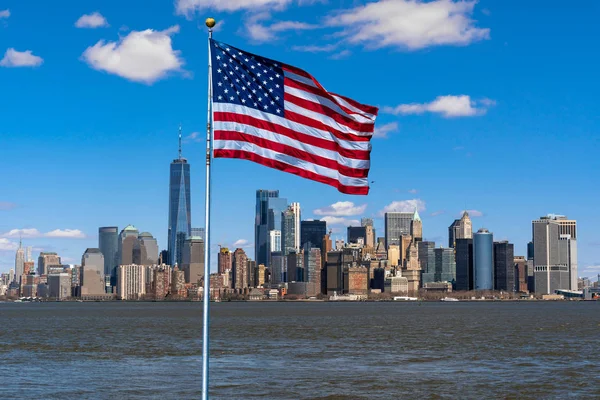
x,y
180,141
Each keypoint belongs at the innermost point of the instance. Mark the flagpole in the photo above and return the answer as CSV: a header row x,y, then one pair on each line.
x,y
210,23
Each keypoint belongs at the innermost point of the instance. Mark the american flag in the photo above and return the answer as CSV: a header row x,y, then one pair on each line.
x,y
281,117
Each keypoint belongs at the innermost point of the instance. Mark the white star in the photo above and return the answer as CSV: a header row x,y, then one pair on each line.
x,y
237,80
260,99
277,85
252,66
271,90
249,96
258,74
265,71
259,64
231,60
238,92
240,53
227,49
271,78
234,56
218,57
254,91
272,103
275,64
265,83
230,72
225,77
243,87
265,107
255,104
277,98
246,60
278,111
220,97
244,101
225,91
219,70
277,75
220,83
231,98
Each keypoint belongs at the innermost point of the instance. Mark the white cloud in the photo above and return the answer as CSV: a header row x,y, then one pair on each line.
x,y
263,33
413,191
4,13
472,213
341,209
7,245
65,233
34,233
410,24
403,206
93,20
448,106
141,56
7,205
14,58
315,49
384,130
291,26
331,220
241,243
194,137
340,55
190,7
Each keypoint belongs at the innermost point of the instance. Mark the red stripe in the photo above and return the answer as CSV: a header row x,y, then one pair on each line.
x,y
272,127
313,123
326,111
303,73
319,92
293,152
361,190
362,107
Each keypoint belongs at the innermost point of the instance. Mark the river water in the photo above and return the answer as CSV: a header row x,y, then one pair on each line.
x,y
525,350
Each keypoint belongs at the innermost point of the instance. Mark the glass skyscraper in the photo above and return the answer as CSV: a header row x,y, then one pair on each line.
x,y
108,242
483,260
269,210
396,225
180,225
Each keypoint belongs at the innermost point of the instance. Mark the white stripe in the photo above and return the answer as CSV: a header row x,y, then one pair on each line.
x,y
305,165
299,78
327,103
274,137
314,132
324,119
349,106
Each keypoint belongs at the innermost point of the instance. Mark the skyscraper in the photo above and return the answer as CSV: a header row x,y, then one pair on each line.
x,y
92,272
504,266
295,208
369,232
396,225
45,260
180,225
551,259
19,263
313,232
464,264
146,250
441,267
193,259
483,260
355,233
460,229
289,234
416,227
224,260
108,242
127,242
239,273
269,211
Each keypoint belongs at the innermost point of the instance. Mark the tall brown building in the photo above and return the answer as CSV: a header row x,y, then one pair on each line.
x,y
239,270
128,241
259,275
193,259
45,260
224,260
28,268
416,227
412,268
520,274
460,229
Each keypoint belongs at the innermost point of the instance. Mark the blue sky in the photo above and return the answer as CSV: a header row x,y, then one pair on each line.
x,y
488,106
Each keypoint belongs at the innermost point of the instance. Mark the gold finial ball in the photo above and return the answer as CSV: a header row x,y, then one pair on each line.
x,y
210,22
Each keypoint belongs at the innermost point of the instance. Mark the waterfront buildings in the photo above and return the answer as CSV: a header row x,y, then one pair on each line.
x,y
367,223
146,250
59,285
460,229
442,268
128,239
269,213
131,281
108,243
224,261
416,227
180,216
19,263
289,234
356,233
520,274
483,260
504,266
193,259
313,232
239,271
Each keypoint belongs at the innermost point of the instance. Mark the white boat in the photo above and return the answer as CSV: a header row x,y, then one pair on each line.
x,y
449,299
405,298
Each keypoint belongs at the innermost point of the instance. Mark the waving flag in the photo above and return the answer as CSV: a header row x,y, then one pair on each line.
x,y
281,117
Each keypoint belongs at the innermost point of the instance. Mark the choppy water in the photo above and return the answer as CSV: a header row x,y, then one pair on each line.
x,y
301,350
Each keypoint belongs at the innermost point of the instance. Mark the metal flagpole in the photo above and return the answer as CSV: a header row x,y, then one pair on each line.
x,y
210,23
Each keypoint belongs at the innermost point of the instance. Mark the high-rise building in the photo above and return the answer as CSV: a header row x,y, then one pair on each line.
x,y
180,225
45,260
131,281
92,272
520,274
146,250
19,263
224,260
193,259
416,227
460,229
568,256
396,225
128,240
59,285
313,232
28,252
355,233
367,223
274,241
504,266
288,232
295,208
269,213
464,264
239,272
108,243
444,266
483,260
278,268
198,232
549,273
426,256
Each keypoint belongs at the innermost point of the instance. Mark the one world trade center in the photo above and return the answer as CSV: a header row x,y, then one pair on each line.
x,y
180,224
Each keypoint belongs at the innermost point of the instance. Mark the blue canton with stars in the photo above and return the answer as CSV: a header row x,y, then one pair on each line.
x,y
246,79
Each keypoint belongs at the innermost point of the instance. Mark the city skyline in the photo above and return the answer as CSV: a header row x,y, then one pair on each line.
x,y
97,171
